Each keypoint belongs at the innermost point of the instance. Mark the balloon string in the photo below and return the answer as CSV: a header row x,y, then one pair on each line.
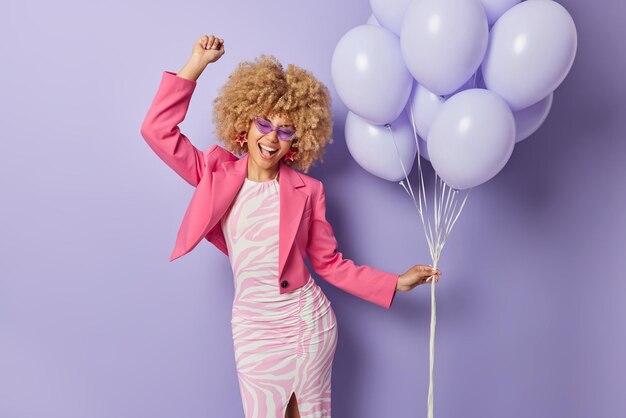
x,y
446,211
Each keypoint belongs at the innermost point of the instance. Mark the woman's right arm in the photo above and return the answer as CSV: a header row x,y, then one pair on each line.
x,y
169,107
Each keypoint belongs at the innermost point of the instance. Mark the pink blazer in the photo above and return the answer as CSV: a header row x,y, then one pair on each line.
x,y
218,175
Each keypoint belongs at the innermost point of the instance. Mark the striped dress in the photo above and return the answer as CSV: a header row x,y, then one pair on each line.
x,y
284,343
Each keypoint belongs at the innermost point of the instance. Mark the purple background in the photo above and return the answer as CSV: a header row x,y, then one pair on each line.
x,y
96,323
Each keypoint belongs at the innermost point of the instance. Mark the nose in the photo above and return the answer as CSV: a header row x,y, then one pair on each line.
x,y
272,136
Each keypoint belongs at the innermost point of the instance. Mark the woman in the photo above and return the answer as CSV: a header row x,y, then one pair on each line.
x,y
268,217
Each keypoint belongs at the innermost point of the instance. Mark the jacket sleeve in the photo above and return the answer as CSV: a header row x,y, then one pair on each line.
x,y
160,128
365,282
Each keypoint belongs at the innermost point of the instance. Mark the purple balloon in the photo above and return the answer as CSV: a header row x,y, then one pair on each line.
x,y
472,138
471,83
529,119
426,105
531,50
389,13
372,146
373,21
369,74
443,42
423,151
496,8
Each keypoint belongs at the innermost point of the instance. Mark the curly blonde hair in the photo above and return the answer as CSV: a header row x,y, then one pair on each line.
x,y
263,88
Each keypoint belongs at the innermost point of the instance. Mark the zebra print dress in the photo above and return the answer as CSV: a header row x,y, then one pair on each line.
x,y
284,343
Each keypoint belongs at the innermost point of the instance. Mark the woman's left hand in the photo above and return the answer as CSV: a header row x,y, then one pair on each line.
x,y
416,275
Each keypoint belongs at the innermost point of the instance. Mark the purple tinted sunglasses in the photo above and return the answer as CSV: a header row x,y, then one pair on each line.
x,y
265,127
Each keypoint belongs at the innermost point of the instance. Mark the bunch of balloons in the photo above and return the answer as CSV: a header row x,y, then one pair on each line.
x,y
473,76
459,82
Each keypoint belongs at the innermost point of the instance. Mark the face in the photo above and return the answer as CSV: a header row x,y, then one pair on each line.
x,y
256,138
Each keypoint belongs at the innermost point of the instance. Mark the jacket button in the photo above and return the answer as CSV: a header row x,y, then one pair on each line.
x,y
284,283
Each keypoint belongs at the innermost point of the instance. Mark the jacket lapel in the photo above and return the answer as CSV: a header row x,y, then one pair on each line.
x,y
293,197
226,183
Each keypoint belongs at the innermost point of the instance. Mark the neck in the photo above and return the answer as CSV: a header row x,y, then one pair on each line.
x,y
256,173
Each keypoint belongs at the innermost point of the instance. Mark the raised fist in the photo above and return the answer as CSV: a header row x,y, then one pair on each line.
x,y
208,48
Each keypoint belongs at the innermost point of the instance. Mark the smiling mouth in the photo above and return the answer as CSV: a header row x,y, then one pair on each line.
x,y
265,153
